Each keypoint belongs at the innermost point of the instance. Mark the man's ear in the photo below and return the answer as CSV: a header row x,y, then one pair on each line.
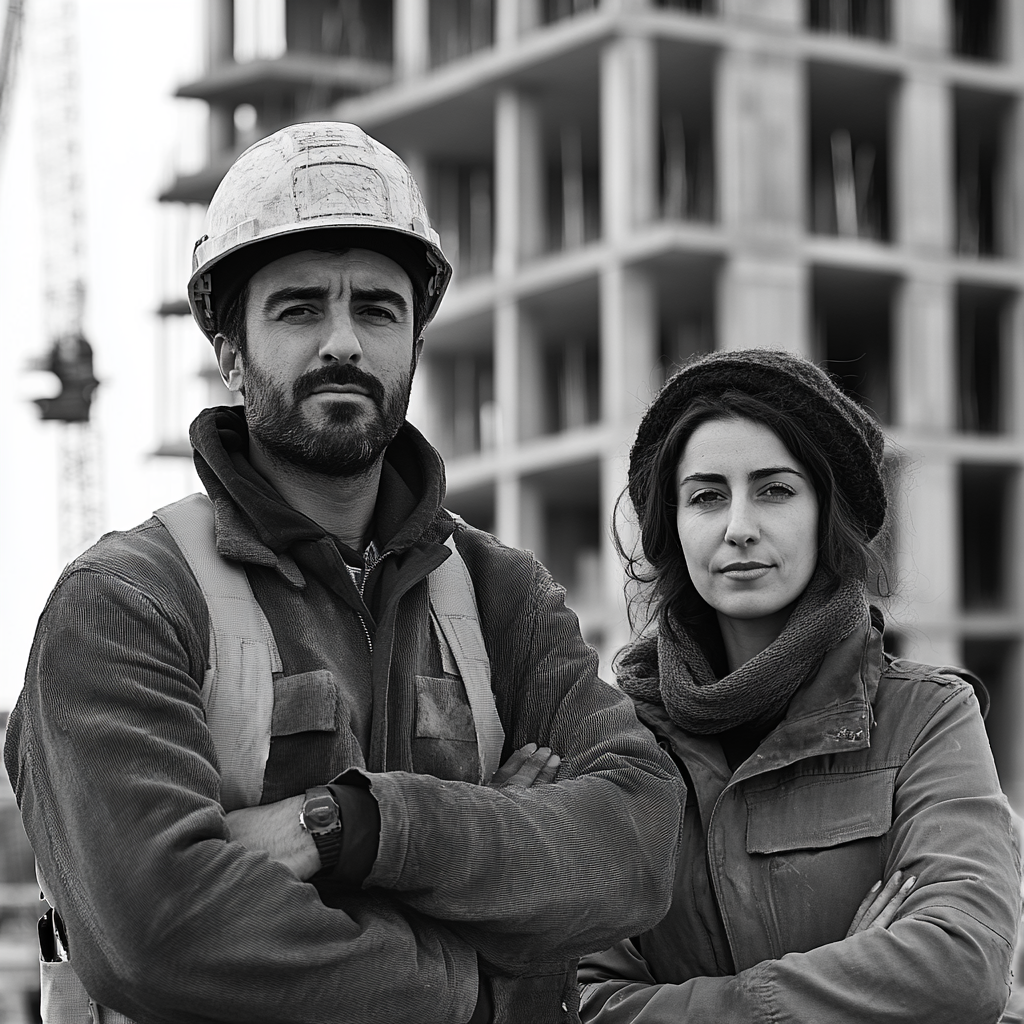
x,y
417,349
229,360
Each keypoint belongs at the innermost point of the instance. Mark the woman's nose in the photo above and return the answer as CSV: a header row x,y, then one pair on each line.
x,y
742,528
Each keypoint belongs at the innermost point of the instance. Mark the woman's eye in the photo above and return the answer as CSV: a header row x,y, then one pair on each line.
x,y
778,491
704,498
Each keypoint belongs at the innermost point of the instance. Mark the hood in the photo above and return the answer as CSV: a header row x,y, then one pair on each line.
x,y
255,523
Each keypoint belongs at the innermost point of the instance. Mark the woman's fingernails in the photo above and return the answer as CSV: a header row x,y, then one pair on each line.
x,y
909,883
875,887
530,747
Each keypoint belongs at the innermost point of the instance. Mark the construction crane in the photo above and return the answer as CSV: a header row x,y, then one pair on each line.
x,y
53,35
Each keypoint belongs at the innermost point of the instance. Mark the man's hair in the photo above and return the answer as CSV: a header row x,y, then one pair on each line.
x,y
657,573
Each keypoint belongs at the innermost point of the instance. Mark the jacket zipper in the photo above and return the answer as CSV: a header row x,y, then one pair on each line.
x,y
368,567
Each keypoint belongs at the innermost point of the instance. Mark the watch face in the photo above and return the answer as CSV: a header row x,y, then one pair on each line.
x,y
319,812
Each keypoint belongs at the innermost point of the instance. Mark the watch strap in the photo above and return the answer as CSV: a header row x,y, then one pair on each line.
x,y
328,840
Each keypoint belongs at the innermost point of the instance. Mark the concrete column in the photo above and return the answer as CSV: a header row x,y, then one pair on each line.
x,y
923,159
506,395
629,135
529,367
514,17
764,303
1013,32
789,13
923,25
220,33
930,526
925,349
507,510
761,147
519,181
411,38
629,352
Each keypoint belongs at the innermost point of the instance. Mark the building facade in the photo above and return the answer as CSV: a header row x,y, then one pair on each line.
x,y
623,183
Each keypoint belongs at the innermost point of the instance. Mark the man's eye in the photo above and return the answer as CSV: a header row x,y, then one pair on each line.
x,y
379,313
297,312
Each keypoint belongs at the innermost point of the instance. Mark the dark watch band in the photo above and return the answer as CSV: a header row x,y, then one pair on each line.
x,y
321,818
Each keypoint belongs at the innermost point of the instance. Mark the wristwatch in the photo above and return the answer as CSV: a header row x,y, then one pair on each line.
x,y
321,818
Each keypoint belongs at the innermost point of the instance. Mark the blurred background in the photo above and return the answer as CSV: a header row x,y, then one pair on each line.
x,y
619,184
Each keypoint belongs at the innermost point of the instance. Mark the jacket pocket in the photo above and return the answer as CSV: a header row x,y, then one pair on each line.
x,y
445,743
820,811
306,702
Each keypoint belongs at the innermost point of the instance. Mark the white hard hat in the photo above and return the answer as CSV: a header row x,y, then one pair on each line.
x,y
294,190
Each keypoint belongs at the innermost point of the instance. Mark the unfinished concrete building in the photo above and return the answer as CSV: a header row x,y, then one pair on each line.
x,y
621,183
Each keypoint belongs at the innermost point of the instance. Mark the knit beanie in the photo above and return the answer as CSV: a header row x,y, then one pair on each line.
x,y
848,435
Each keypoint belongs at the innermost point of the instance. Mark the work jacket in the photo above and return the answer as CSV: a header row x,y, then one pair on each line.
x,y
116,774
878,765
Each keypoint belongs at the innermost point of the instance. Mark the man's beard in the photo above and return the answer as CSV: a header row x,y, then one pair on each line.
x,y
341,447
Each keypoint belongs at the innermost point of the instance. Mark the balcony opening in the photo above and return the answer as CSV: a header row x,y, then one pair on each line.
x,y
564,526
693,6
686,146
985,498
982,376
983,212
994,661
849,150
557,10
361,29
463,410
459,27
572,375
685,285
475,505
976,29
574,188
462,207
853,328
866,18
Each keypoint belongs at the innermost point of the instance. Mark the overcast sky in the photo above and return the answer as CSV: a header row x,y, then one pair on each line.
x,y
133,55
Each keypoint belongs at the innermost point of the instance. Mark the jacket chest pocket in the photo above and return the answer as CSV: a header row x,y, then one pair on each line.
x,y
445,742
817,844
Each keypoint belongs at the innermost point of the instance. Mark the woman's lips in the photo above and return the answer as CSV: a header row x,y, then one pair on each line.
x,y
746,570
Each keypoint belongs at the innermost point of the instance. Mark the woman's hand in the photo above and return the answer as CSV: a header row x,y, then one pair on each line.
x,y
528,766
879,908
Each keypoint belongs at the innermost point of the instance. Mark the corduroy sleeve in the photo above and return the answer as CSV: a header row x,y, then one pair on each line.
x,y
533,877
945,959
168,921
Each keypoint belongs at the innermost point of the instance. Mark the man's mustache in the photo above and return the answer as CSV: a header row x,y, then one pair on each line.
x,y
338,373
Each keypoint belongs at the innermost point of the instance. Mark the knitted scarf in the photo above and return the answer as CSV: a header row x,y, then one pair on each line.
x,y
676,674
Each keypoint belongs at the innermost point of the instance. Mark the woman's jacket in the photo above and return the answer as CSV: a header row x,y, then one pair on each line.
x,y
878,765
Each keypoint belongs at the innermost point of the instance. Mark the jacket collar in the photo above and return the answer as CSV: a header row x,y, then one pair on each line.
x,y
830,713
254,523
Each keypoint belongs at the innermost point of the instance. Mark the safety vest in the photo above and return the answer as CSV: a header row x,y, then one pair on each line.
x,y
238,695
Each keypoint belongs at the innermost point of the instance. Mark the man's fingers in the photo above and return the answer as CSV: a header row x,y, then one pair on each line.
x,y
549,771
516,761
531,769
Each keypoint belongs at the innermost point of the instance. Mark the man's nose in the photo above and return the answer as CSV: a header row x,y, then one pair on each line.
x,y
742,528
339,341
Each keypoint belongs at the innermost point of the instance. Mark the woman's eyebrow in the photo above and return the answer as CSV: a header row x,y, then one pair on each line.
x,y
760,474
752,476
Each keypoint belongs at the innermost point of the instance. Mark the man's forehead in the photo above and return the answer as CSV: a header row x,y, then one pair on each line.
x,y
358,267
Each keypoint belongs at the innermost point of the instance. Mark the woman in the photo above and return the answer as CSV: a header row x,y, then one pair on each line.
x,y
814,763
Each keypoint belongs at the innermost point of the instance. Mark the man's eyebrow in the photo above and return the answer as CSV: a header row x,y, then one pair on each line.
x,y
292,293
753,475
381,295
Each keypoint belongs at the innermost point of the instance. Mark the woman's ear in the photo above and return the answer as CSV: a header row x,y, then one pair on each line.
x,y
229,360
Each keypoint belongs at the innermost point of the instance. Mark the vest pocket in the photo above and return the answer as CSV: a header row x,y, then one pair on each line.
x,y
445,743
305,702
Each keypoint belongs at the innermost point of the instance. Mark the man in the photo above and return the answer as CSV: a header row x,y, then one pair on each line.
x,y
434,896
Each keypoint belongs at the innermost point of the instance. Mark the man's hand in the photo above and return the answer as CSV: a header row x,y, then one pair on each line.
x,y
878,909
275,829
528,766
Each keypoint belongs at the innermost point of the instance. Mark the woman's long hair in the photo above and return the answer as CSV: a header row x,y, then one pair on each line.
x,y
658,585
